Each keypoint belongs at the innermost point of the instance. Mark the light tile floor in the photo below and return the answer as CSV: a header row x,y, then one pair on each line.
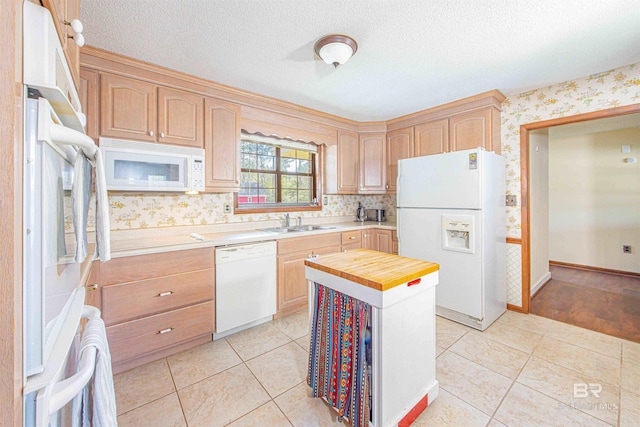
x,y
520,372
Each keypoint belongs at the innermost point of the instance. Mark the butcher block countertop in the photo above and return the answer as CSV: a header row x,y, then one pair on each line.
x,y
377,270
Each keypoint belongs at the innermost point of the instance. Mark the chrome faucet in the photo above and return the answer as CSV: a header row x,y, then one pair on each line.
x,y
287,223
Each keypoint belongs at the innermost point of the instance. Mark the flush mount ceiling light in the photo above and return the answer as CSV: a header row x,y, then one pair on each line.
x,y
336,49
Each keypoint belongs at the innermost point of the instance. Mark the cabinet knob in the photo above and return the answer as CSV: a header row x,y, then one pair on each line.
x,y
150,133
161,134
387,186
93,287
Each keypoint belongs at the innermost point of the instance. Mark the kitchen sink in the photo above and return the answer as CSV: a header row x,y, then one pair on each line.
x,y
281,230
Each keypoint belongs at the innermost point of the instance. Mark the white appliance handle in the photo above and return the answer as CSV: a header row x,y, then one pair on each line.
x,y
57,134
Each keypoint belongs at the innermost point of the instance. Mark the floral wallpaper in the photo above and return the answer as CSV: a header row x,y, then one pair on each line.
x,y
150,210
600,91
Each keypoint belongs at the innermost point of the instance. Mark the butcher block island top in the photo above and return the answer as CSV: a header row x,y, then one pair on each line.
x,y
373,269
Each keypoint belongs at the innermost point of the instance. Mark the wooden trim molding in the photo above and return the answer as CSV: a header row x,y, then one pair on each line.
x,y
514,241
514,308
597,269
11,142
524,182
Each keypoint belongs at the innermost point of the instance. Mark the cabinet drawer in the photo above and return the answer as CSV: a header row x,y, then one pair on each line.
x,y
138,299
350,237
351,246
131,269
138,337
287,246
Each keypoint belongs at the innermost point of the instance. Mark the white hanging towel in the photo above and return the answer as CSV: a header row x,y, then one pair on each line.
x,y
80,196
101,410
103,242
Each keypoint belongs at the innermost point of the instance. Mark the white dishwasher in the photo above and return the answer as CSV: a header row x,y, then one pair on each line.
x,y
245,286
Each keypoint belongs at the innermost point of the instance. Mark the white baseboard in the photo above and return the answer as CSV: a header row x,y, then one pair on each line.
x,y
540,282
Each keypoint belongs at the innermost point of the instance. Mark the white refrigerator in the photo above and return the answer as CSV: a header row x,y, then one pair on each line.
x,y
451,210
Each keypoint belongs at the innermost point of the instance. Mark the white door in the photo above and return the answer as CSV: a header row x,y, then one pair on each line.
x,y
449,180
420,236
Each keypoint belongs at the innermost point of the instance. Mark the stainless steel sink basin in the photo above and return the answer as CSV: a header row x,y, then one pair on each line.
x,y
313,227
281,230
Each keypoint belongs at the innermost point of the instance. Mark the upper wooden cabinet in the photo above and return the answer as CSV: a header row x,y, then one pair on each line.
x,y
134,109
399,146
348,153
128,108
477,128
372,163
88,93
431,138
222,145
66,11
180,117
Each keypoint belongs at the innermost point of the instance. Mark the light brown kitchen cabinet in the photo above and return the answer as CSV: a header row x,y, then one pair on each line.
x,y
180,118
222,145
92,287
377,240
372,165
431,138
66,11
399,146
134,109
394,242
351,240
88,94
476,128
348,154
158,304
128,108
292,284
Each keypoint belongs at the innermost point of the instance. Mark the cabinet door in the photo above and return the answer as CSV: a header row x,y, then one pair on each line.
x,y
471,130
383,240
180,118
372,163
222,145
127,108
399,146
92,287
72,50
88,93
369,240
292,283
347,162
432,138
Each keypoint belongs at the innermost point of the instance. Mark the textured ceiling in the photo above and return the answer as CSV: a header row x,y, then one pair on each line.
x,y
412,54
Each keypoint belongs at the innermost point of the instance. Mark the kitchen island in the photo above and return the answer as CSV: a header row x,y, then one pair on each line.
x,y
372,351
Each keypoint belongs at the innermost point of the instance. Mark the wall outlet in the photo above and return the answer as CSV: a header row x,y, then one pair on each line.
x,y
325,200
226,208
512,200
626,249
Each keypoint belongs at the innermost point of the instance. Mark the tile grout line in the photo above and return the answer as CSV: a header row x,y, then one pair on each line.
x,y
184,415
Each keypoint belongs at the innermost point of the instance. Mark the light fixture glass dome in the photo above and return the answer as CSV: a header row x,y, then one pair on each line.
x,y
336,49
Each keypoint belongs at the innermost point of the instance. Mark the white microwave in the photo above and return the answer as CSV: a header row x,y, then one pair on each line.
x,y
144,166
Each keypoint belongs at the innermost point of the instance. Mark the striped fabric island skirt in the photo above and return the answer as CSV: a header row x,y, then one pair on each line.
x,y
337,356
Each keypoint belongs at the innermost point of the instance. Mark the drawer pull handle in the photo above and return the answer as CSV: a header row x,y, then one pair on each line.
x,y
165,294
93,287
165,331
415,282
352,238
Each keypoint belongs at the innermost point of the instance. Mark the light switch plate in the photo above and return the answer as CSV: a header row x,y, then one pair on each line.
x,y
325,200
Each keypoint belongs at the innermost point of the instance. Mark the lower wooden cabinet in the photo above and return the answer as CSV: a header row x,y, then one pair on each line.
x,y
377,240
156,305
351,240
292,284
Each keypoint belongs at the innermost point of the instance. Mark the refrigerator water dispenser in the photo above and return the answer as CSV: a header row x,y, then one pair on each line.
x,y
458,233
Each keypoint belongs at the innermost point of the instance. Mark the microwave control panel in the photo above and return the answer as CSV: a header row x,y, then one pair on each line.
x,y
197,173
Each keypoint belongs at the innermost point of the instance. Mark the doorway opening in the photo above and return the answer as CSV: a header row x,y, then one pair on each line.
x,y
534,163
